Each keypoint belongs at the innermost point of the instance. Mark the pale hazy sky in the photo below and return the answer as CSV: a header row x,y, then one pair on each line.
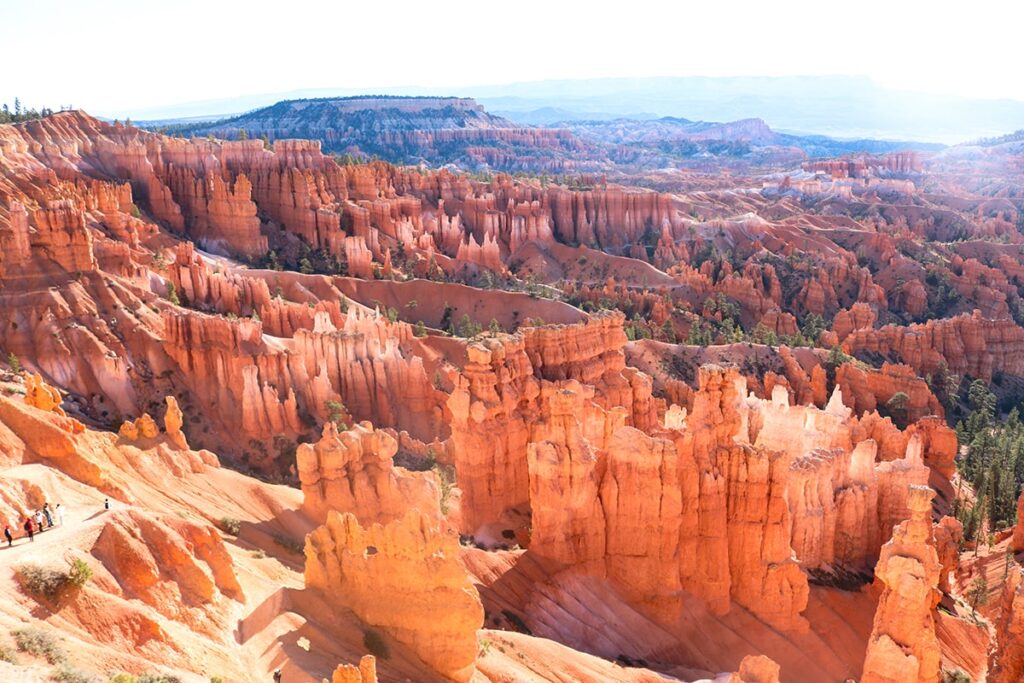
x,y
116,55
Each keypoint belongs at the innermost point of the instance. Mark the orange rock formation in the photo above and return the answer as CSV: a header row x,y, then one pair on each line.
x,y
903,646
405,578
366,672
352,471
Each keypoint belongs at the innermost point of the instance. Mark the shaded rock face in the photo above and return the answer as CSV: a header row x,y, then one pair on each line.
x,y
405,578
903,647
352,471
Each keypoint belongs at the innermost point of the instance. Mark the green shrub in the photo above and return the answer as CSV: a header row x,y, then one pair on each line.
x,y
955,676
7,654
217,679
69,674
41,581
336,414
231,525
122,677
157,678
290,544
40,644
48,583
375,644
79,573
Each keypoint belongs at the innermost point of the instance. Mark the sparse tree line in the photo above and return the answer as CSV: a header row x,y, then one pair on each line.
x,y
993,465
19,113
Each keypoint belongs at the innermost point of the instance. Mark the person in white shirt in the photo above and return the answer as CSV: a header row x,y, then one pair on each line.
x,y
60,514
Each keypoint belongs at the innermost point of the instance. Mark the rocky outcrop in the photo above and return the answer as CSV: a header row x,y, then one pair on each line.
x,y
142,428
366,672
756,669
949,535
404,578
178,568
41,395
903,647
353,471
173,422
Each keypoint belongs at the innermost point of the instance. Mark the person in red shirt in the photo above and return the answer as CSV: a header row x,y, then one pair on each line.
x,y
30,529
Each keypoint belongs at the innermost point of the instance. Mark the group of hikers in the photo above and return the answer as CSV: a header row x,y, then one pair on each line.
x,y
42,519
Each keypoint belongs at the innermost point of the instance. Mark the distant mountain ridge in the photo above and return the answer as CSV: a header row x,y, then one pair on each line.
x,y
409,130
460,131
844,107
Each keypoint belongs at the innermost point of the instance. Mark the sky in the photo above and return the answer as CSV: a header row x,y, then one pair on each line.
x,y
116,56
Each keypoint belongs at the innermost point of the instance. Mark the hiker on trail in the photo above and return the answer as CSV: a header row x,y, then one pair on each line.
x,y
30,529
8,536
39,520
106,503
60,514
49,517
277,676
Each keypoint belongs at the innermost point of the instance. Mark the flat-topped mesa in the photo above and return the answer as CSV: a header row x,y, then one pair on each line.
x,y
403,104
353,471
404,578
903,647
441,130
